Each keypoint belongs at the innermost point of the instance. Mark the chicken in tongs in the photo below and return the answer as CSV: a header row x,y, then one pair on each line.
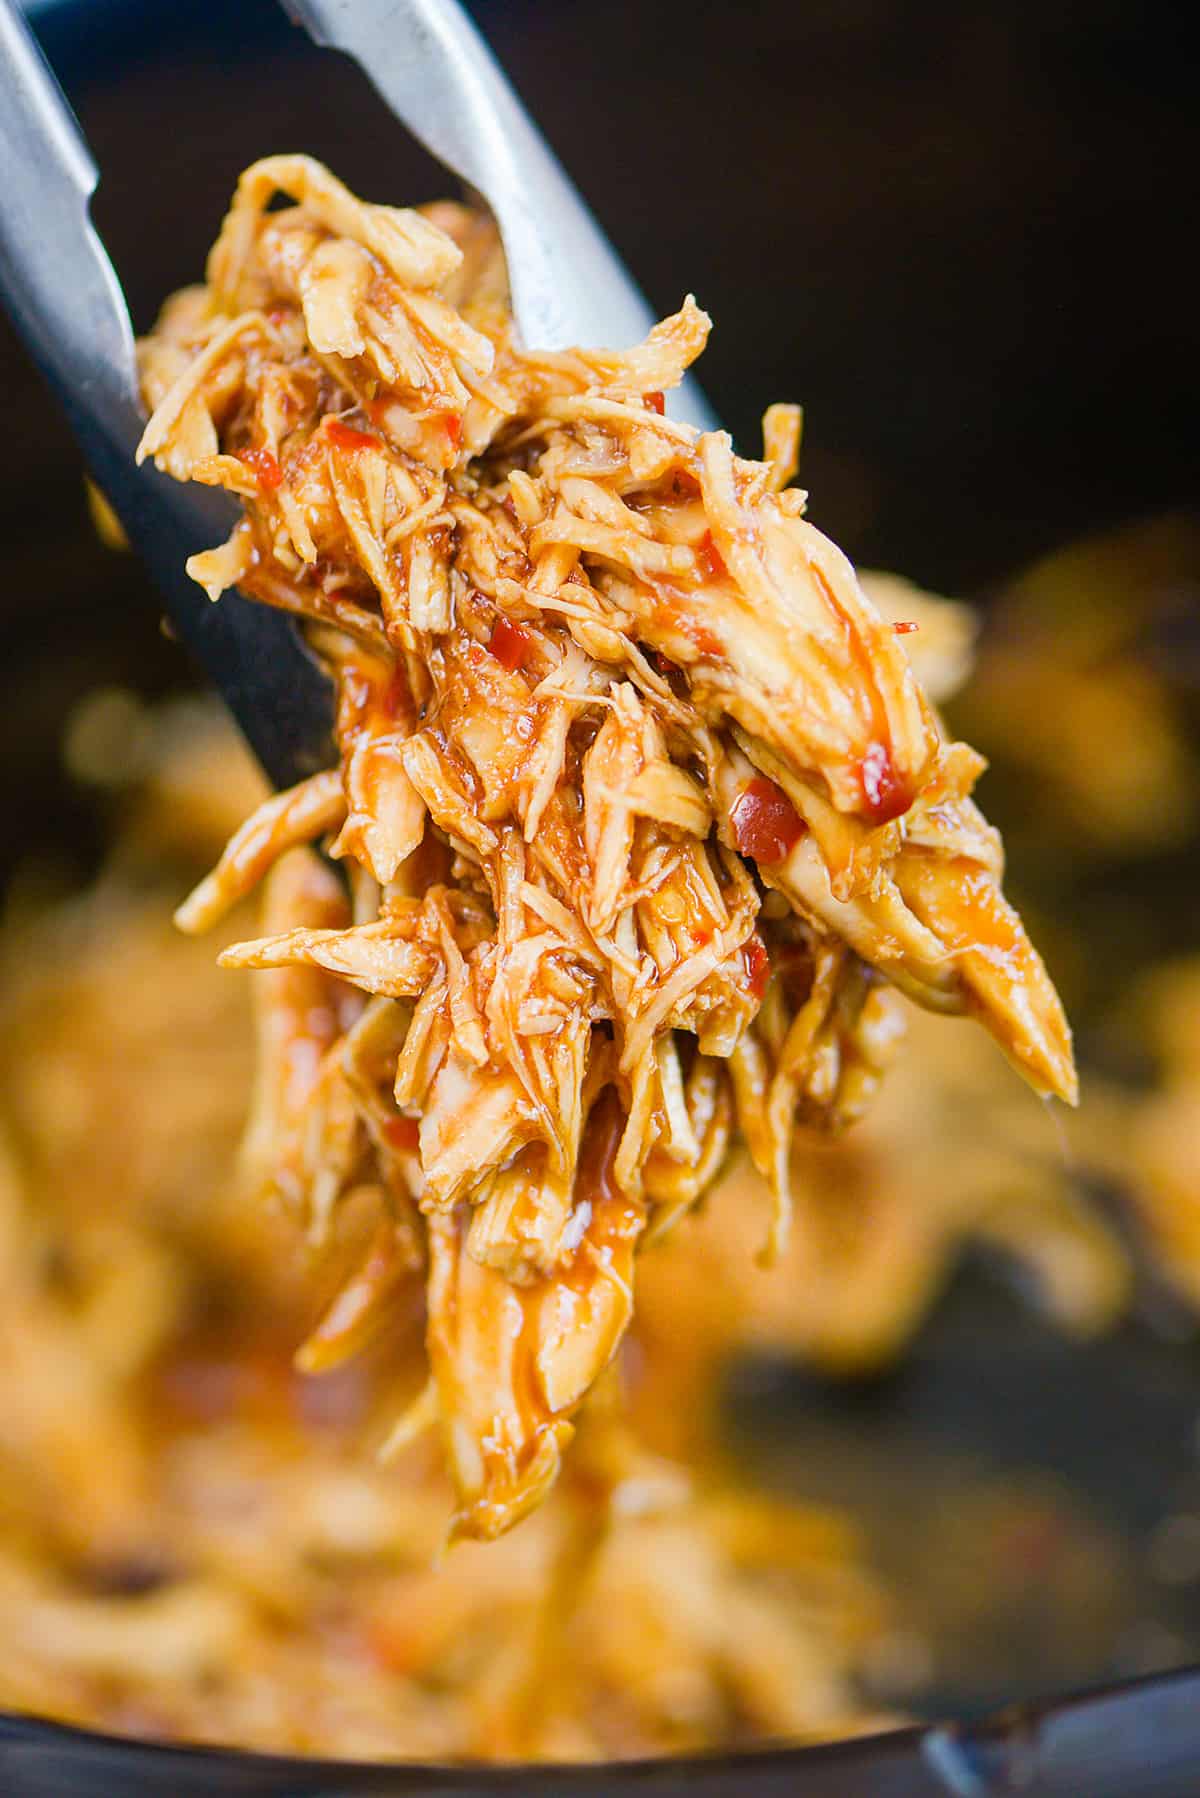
x,y
642,813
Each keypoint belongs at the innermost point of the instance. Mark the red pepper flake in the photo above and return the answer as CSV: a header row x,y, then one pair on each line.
x,y
510,643
263,466
347,437
452,425
711,559
402,1133
655,402
758,964
706,641
885,794
766,825
662,664
903,626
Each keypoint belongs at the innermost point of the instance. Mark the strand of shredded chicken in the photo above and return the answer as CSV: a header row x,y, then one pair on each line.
x,y
641,809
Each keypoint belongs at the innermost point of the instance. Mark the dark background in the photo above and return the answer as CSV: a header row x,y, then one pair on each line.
x,y
959,234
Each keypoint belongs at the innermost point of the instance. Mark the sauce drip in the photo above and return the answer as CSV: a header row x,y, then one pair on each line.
x,y
885,794
766,825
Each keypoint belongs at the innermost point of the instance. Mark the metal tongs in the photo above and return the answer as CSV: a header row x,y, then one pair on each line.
x,y
437,75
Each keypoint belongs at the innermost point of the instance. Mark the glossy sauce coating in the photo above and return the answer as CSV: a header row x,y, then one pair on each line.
x,y
765,823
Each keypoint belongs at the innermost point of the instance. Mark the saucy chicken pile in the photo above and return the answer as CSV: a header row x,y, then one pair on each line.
x,y
641,813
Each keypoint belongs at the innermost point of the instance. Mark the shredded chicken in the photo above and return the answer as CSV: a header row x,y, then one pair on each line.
x,y
642,809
